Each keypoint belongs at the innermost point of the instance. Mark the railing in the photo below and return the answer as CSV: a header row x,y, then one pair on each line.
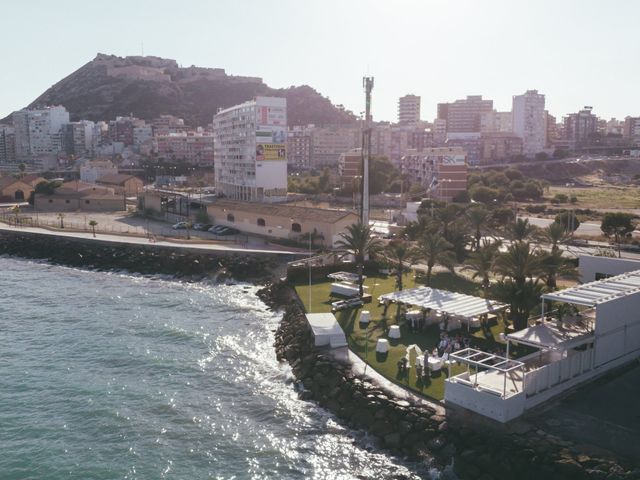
x,y
554,373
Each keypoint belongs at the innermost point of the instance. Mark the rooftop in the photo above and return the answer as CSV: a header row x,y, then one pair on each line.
x,y
552,335
600,291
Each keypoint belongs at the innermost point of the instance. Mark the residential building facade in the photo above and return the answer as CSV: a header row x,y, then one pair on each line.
x,y
194,148
529,121
442,170
580,127
250,150
39,132
409,110
464,115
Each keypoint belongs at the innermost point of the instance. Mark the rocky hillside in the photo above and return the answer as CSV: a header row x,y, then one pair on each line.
x,y
146,87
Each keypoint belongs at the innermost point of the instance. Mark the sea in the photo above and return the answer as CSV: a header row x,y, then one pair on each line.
x,y
109,375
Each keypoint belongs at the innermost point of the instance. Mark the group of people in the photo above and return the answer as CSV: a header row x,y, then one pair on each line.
x,y
449,344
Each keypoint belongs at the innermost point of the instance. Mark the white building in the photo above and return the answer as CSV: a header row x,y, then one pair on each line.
x,y
529,121
409,110
94,169
39,132
250,150
594,328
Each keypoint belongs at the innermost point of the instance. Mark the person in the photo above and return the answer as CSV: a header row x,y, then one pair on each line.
x,y
259,152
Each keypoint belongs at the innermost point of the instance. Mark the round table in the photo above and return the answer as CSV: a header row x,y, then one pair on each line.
x,y
365,316
382,346
394,331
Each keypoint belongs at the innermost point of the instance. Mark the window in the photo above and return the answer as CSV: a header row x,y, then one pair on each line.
x,y
50,201
230,218
67,201
296,227
261,222
87,202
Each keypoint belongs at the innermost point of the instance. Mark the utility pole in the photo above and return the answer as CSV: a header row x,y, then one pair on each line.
x,y
367,83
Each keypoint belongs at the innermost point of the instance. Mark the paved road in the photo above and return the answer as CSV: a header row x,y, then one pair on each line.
x,y
132,240
585,228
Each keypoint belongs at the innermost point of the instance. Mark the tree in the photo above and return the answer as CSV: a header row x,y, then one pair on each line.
x,y
521,229
359,242
312,236
435,250
61,217
520,268
555,233
618,224
483,194
93,224
402,255
554,265
478,218
568,220
482,262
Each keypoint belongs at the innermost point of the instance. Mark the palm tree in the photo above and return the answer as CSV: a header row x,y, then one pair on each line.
x,y
61,217
554,234
482,263
446,216
521,268
478,217
402,255
435,250
93,224
312,237
521,230
359,242
554,265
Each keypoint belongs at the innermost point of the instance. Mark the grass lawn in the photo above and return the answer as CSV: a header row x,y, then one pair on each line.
x,y
362,341
600,197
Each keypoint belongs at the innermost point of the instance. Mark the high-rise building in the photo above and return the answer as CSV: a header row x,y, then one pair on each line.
x,y
78,138
463,116
250,150
631,129
7,145
443,170
328,143
349,164
580,127
496,122
194,147
39,132
299,147
409,110
529,121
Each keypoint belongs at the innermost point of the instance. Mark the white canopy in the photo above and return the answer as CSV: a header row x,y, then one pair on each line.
x,y
326,330
456,304
601,291
550,335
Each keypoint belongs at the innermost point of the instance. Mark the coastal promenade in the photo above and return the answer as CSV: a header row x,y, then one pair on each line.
x,y
181,244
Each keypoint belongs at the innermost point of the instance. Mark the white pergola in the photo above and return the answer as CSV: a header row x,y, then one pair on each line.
x,y
593,293
452,303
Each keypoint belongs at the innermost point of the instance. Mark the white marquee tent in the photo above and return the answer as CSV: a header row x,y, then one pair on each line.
x,y
326,330
455,304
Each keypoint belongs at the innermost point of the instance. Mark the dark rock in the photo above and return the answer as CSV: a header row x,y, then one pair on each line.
x,y
436,443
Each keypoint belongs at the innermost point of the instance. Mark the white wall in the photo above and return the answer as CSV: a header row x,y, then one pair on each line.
x,y
590,265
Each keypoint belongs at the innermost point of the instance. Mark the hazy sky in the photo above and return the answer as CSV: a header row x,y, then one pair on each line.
x,y
576,52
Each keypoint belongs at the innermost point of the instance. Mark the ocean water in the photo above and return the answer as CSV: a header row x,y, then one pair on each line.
x,y
115,376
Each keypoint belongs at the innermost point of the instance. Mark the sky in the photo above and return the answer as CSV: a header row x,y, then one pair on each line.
x,y
576,52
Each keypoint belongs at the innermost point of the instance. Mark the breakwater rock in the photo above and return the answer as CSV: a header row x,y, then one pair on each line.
x,y
474,449
144,259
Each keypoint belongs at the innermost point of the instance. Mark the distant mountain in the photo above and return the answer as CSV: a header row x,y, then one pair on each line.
x,y
146,87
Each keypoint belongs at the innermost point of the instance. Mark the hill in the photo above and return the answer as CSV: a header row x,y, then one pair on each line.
x,y
110,86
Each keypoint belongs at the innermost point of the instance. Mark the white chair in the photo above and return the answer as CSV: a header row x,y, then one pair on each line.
x,y
394,331
382,346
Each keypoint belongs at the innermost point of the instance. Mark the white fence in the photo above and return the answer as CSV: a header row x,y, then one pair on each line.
x,y
575,364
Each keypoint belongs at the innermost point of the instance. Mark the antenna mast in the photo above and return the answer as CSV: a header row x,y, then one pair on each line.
x,y
367,83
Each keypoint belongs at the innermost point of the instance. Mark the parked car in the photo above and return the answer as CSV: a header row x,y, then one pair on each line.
x,y
228,231
202,227
216,228
180,226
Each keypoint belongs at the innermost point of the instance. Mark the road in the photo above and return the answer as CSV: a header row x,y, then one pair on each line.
x,y
193,245
585,228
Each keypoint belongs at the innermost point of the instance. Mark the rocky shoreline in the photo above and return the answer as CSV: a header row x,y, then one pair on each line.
x,y
475,449
143,259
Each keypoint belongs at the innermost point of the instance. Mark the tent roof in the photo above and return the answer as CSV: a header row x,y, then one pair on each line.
x,y
324,324
453,303
550,335
601,291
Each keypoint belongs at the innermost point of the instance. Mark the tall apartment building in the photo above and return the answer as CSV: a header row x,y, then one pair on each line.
x,y
349,164
299,147
250,150
444,169
409,110
39,132
165,124
7,145
499,146
122,129
328,143
551,128
580,127
463,116
78,138
529,121
194,147
631,129
496,122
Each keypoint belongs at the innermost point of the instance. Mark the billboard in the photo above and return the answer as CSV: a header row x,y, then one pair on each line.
x,y
271,115
268,134
271,151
